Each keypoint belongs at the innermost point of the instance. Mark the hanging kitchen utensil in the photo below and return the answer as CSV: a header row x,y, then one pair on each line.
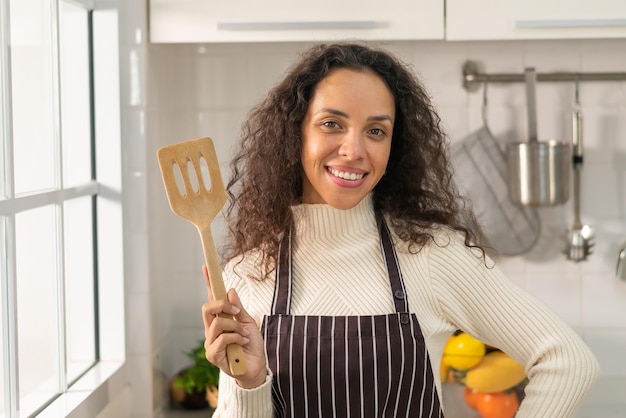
x,y
578,242
620,271
480,173
539,171
198,199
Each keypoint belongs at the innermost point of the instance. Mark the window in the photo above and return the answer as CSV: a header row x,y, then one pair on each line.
x,y
59,185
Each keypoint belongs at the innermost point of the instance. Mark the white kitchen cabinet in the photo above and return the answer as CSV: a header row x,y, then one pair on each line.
x,y
190,21
535,19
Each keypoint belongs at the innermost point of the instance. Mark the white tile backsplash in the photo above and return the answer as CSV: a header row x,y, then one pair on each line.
x,y
603,301
221,81
139,338
134,119
498,56
608,344
139,370
206,90
607,55
138,251
263,71
223,126
545,58
175,243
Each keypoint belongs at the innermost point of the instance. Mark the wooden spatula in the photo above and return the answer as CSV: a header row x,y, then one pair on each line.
x,y
199,203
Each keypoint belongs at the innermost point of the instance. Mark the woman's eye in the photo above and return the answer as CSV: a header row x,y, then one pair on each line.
x,y
377,132
330,124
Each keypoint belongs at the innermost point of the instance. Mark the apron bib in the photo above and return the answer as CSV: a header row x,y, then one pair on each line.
x,y
348,366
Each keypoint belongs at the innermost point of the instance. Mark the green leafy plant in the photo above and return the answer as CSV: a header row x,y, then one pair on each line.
x,y
200,374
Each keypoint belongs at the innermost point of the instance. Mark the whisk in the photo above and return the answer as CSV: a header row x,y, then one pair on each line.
x,y
579,241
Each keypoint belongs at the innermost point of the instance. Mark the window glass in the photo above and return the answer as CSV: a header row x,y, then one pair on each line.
x,y
79,286
75,94
32,78
37,313
2,307
48,303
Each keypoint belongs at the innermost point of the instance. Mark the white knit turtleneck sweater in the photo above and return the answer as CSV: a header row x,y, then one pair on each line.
x,y
338,269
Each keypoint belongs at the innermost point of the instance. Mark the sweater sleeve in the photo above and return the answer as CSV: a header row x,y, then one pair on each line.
x,y
483,302
236,402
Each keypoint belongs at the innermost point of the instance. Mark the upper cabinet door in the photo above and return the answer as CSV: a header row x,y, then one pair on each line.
x,y
188,21
535,19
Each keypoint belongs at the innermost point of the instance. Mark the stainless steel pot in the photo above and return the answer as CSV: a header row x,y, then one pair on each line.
x,y
539,171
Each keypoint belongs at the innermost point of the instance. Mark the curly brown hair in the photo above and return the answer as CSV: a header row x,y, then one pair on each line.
x,y
417,192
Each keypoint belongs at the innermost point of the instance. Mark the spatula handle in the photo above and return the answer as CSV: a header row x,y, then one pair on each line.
x,y
234,352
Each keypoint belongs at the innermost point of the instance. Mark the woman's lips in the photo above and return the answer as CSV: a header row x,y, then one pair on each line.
x,y
345,175
346,178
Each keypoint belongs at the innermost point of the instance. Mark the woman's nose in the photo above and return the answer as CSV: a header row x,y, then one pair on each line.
x,y
352,146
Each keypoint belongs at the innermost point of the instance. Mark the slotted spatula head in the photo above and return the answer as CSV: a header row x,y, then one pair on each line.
x,y
195,201
198,196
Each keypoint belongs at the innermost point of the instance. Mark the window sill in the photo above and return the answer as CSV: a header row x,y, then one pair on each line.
x,y
91,393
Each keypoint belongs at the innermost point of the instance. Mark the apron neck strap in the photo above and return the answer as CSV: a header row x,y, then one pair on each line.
x,y
282,288
396,282
282,291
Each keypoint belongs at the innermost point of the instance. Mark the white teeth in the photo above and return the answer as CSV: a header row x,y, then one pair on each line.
x,y
346,176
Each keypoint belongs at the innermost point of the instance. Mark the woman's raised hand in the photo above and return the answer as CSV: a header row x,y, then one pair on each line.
x,y
242,329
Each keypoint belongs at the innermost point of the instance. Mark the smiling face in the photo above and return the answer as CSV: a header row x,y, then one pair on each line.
x,y
346,137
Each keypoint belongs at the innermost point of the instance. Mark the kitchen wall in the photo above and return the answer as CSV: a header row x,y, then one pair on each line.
x,y
206,90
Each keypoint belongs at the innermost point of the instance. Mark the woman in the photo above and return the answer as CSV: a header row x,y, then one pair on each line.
x,y
352,258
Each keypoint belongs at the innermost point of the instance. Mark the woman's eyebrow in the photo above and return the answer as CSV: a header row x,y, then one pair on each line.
x,y
334,112
377,118
380,118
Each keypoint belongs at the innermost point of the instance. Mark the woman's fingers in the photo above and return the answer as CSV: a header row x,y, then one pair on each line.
x,y
237,308
218,318
227,322
219,325
217,307
219,332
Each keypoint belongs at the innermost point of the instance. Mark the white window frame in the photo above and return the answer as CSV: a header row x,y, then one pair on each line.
x,y
106,378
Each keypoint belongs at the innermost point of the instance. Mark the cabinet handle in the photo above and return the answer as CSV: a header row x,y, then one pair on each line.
x,y
249,26
569,23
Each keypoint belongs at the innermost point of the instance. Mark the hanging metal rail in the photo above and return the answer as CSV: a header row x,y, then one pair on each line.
x,y
472,78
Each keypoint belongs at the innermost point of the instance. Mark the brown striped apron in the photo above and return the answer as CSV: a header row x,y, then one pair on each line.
x,y
353,366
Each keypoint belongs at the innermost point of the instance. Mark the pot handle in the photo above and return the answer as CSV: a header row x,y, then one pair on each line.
x,y
531,103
